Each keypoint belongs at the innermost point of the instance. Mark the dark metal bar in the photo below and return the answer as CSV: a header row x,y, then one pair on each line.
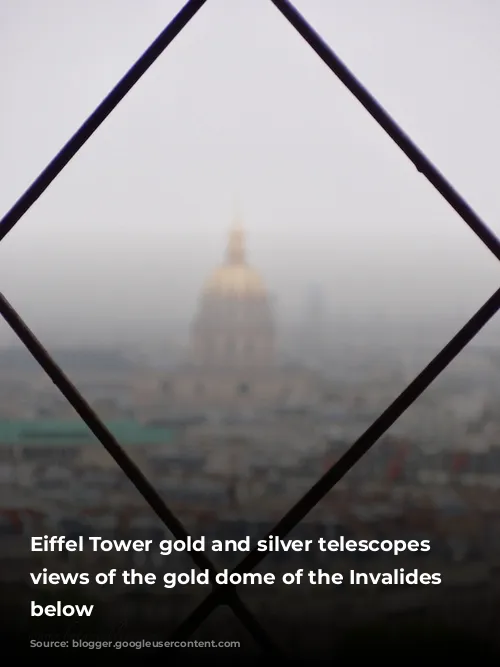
x,y
410,149
364,443
54,168
131,470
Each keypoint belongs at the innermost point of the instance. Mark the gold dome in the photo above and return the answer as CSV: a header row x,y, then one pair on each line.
x,y
235,276
238,280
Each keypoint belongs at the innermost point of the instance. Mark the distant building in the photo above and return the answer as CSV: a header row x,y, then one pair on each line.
x,y
47,442
231,363
314,325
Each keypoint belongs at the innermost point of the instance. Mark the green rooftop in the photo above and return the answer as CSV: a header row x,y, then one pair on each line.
x,y
64,433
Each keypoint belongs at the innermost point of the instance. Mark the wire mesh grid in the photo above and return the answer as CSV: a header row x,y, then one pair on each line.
x,y
227,594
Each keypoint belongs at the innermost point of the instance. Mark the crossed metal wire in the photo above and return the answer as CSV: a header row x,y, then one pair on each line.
x,y
227,594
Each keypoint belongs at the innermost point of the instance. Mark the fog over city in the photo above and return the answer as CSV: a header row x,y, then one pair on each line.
x,y
240,114
240,272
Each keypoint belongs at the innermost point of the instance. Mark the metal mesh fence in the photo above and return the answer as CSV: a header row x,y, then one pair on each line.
x,y
227,594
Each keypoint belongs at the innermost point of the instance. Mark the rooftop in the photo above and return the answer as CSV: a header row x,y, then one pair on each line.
x,y
64,433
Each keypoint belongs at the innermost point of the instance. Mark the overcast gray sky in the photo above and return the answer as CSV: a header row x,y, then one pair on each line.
x,y
239,107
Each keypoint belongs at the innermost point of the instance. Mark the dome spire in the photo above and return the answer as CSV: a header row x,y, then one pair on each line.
x,y
235,277
235,253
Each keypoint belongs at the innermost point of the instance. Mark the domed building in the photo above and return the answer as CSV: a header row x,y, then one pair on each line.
x,y
234,326
232,360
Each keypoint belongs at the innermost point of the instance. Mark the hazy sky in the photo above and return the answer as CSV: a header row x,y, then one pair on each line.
x,y
240,108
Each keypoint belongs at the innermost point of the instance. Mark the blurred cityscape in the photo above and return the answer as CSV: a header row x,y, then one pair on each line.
x,y
238,430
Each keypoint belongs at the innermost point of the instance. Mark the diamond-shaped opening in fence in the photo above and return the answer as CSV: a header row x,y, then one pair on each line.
x,y
140,218
434,475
